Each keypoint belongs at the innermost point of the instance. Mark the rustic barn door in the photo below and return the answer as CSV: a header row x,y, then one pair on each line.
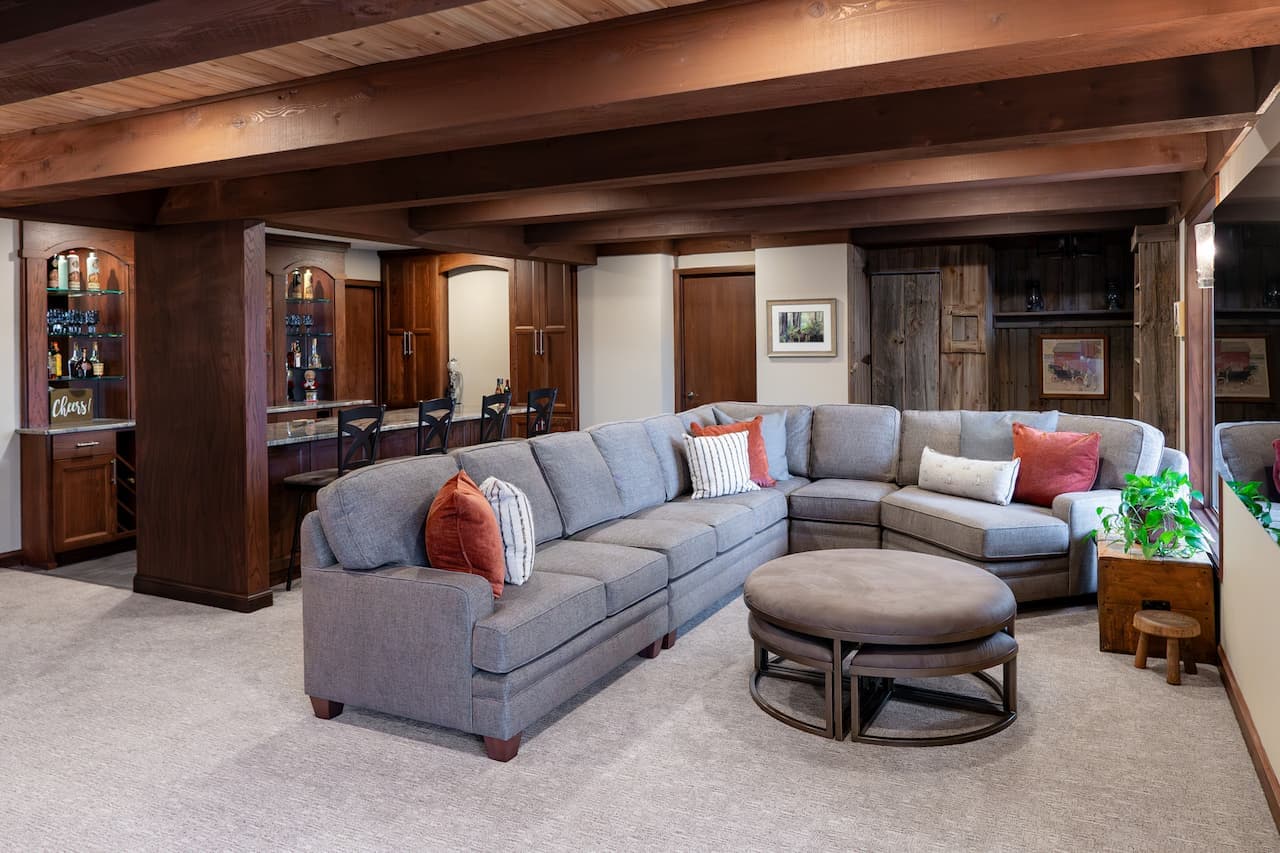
x,y
905,309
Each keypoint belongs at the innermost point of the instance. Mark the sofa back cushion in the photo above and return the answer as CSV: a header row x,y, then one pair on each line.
x,y
921,429
374,516
629,453
704,415
855,442
1127,447
798,424
513,462
1243,450
666,434
989,435
579,478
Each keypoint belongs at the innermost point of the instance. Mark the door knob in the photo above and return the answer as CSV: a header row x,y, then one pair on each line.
x,y
690,395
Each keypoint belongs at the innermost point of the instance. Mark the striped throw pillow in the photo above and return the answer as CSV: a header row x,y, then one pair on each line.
x,y
515,522
719,465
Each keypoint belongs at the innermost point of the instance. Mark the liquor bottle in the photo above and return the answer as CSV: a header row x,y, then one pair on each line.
x,y
92,274
506,386
295,284
53,273
95,362
308,286
73,366
315,353
57,361
63,272
296,349
497,385
73,270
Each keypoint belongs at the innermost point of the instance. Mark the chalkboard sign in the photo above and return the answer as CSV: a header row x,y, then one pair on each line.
x,y
70,406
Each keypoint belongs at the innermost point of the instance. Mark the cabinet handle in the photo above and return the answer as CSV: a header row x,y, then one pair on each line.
x,y
113,472
88,443
409,337
543,335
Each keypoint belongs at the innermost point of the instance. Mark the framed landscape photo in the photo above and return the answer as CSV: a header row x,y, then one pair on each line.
x,y
1073,367
801,327
1240,369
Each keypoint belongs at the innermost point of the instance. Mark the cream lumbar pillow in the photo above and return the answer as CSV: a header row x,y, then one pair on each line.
x,y
719,465
515,522
980,479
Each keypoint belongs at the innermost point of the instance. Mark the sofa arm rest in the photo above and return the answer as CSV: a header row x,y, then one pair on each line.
x,y
1172,459
1080,511
316,553
396,639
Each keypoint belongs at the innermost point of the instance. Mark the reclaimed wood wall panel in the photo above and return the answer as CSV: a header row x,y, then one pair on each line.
x,y
1015,365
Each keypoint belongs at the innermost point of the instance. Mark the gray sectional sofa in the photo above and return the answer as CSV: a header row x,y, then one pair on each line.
x,y
625,557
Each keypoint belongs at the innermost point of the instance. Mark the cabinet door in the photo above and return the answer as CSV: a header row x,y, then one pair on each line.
x,y
526,369
398,370
84,502
559,344
396,307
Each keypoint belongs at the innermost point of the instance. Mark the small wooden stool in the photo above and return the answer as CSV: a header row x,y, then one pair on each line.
x,y
1174,627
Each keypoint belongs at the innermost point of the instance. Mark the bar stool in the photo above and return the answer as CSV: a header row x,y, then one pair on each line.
x,y
435,419
538,419
494,411
359,430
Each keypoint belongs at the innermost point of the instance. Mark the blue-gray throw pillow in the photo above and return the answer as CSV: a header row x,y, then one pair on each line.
x,y
774,427
989,435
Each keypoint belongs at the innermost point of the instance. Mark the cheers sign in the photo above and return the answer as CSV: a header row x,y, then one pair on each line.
x,y
70,405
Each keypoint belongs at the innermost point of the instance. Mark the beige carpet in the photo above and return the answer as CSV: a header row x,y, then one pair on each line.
x,y
129,722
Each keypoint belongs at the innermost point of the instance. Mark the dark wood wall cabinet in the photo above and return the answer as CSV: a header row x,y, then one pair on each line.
x,y
306,301
416,320
544,336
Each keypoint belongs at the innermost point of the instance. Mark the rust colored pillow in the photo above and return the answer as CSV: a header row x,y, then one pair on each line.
x,y
1053,463
463,534
759,459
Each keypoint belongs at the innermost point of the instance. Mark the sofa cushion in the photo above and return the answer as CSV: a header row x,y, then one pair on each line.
x,y
939,430
973,528
666,434
462,532
533,619
374,516
579,478
773,430
686,544
1054,463
848,501
855,442
515,523
1127,446
704,415
799,424
989,435
719,464
792,484
513,462
628,574
767,506
629,453
733,523
989,480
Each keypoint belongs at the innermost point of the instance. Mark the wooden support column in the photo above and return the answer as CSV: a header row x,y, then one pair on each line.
x,y
201,410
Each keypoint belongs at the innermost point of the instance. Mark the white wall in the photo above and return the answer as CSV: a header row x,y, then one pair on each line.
x,y
716,259
479,330
626,350
1250,598
10,389
364,264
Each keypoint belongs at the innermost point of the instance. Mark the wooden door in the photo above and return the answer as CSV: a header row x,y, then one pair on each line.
x,y
416,334
905,314
364,337
84,502
558,344
715,336
528,285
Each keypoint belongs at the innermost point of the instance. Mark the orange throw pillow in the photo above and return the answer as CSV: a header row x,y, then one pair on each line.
x,y
463,534
759,459
1053,463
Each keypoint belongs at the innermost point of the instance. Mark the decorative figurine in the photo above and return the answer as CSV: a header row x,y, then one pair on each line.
x,y
309,386
308,285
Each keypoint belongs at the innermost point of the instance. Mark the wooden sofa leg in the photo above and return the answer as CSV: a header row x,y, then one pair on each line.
x,y
651,651
325,709
502,750
669,640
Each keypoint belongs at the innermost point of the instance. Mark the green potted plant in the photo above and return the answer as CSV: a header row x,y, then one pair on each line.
x,y
1251,496
1155,515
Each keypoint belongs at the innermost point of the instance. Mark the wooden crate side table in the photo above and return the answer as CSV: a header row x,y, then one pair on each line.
x,y
1128,582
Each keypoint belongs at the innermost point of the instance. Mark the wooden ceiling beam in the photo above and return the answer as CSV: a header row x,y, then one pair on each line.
x,y
998,226
1075,196
48,47
1120,158
1098,105
706,59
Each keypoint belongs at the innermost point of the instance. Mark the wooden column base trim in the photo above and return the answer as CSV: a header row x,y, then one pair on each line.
x,y
200,595
502,750
9,559
325,709
1261,763
669,639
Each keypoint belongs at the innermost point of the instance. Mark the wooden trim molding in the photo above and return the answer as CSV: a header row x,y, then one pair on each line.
x,y
1261,763
9,559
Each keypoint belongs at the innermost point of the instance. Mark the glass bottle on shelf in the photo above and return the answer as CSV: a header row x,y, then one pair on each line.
x,y
295,354
73,365
497,385
92,274
63,272
53,274
506,386
73,270
295,284
308,285
57,361
315,353
95,362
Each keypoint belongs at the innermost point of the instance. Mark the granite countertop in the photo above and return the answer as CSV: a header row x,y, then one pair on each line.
x,y
88,426
318,404
319,429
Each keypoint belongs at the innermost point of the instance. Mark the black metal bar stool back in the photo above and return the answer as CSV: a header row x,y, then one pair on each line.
x,y
435,419
495,409
542,401
359,431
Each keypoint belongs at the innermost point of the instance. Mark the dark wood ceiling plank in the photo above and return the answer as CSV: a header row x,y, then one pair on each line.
x,y
707,59
1075,196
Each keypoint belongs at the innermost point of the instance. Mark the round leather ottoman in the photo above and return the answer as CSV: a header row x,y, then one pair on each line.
x,y
902,614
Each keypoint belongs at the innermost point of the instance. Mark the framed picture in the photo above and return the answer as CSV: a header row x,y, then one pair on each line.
x,y
1240,369
800,327
1073,367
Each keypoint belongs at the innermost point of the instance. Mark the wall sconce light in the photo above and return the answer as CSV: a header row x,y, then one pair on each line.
x,y
1204,255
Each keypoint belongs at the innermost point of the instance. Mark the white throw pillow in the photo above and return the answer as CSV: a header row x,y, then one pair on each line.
x,y
719,465
515,521
979,479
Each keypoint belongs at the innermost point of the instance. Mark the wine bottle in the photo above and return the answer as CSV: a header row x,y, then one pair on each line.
x,y
73,270
96,367
73,366
57,361
497,385
506,386
49,362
